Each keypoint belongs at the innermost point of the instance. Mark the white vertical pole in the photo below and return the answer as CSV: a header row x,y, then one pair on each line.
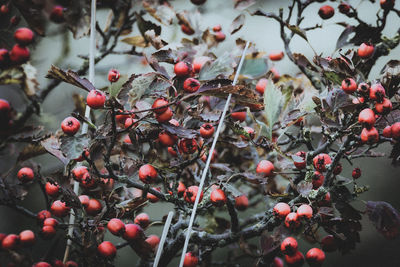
x,y
163,237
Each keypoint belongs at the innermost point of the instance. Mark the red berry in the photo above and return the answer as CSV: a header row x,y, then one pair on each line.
x,y
186,29
120,118
50,222
148,174
59,208
172,152
199,62
10,242
107,249
318,180
241,202
365,50
305,211
153,241
142,219
96,99
385,107
300,160
4,106
132,232
70,125
207,130
42,215
315,257
27,238
387,4
52,189
356,173
218,197
220,36
249,131
71,264
281,210
377,92
363,88
57,14
369,135
87,181
292,220
344,8
15,20
188,146
276,56
191,194
153,198
19,54
295,260
326,12
205,156
167,139
42,264
190,260
4,9
127,139
23,36
275,74
25,174
58,263
349,85
129,122
261,84
217,28
48,232
395,129
387,132
289,246
328,243
265,167
159,102
182,69
79,172
278,262
113,75
181,189
191,85
367,117
164,117
239,116
116,226
94,207
320,161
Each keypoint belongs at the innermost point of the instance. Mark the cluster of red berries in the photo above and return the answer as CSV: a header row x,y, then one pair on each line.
x,y
19,54
292,220
293,257
56,263
327,11
48,224
219,35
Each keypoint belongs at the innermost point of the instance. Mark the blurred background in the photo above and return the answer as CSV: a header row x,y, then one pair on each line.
x,y
374,249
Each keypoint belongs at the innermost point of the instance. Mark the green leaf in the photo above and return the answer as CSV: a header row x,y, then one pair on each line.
x,y
296,30
221,66
117,86
254,68
73,146
273,100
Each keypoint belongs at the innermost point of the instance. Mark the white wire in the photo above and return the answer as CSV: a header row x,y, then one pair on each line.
x,y
204,174
92,50
163,237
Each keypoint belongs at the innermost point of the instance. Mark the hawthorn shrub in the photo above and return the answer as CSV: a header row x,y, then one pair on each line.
x,y
149,135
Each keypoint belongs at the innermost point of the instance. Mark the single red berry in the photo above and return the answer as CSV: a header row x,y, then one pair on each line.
x,y
276,56
377,92
387,132
153,198
207,130
239,116
326,12
385,107
188,146
107,249
79,172
142,219
70,125
356,173
158,103
96,99
363,88
190,260
249,131
300,160
59,208
395,129
344,8
317,180
57,14
27,238
148,174
365,50
187,29
349,85
50,222
338,169
199,62
58,263
217,28
42,215
296,259
52,189
116,226
129,122
120,118
172,152
387,4
315,257
153,241
14,21
191,85
241,202
81,157
191,194
220,36
218,197
167,139
369,136
113,75
292,220
132,232
42,264
205,156
4,9
94,207
181,189
19,54
367,117
277,262
25,174
289,246
23,36
48,232
328,243
87,181
281,210
261,84
165,116
4,57
10,242
265,167
305,211
182,69
71,264
321,160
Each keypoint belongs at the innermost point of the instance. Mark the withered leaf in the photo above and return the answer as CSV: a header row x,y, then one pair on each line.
x,y
33,15
237,24
70,77
180,131
52,145
73,146
385,218
145,25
